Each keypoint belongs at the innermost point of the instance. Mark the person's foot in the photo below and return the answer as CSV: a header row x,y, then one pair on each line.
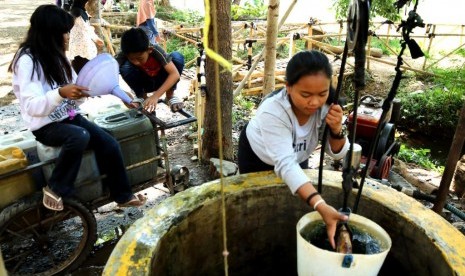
x,y
174,103
135,201
51,200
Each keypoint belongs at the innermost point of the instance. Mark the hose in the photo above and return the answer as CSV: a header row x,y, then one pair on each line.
x,y
420,195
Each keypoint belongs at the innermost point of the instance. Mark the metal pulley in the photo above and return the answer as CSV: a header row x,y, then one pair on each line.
x,y
356,21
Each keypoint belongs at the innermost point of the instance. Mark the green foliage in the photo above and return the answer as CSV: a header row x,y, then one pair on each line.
x,y
244,103
461,52
251,10
242,109
394,44
383,8
435,111
188,50
188,18
420,157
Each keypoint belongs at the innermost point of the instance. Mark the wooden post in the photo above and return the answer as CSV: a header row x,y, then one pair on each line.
x,y
281,22
200,101
369,51
310,34
387,33
452,158
341,27
292,45
461,33
431,36
270,47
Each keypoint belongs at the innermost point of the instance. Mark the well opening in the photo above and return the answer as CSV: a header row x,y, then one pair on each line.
x,y
183,235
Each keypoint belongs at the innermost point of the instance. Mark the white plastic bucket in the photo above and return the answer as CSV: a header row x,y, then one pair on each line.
x,y
312,260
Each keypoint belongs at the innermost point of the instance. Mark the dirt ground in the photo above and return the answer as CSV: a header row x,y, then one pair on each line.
x,y
13,25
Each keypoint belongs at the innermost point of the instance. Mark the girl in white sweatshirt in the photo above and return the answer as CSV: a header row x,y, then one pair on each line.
x,y
43,81
284,131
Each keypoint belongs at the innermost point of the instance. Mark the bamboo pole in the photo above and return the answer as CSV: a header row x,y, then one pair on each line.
x,y
185,38
450,53
291,46
461,33
368,52
283,19
269,81
242,41
257,90
341,27
189,63
310,34
394,52
188,30
431,36
402,66
387,34
106,37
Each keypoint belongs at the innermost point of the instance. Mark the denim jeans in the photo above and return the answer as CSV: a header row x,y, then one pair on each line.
x,y
74,137
152,33
142,83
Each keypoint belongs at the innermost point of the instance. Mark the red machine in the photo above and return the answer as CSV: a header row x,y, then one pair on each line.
x,y
368,118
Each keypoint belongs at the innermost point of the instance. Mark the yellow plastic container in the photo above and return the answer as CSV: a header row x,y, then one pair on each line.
x,y
15,186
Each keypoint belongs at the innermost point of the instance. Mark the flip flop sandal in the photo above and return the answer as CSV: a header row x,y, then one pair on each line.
x,y
136,201
50,196
175,104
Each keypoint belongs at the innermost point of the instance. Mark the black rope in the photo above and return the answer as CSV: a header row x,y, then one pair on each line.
x,y
336,99
407,26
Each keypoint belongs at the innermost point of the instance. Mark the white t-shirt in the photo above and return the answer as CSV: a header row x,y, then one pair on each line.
x,y
39,101
278,140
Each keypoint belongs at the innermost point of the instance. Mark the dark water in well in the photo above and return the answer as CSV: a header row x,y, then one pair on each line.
x,y
363,243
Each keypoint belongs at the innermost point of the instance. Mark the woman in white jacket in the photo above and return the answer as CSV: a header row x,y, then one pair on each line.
x,y
285,129
43,81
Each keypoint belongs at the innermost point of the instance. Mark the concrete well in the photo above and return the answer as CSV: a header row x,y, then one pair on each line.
x,y
184,235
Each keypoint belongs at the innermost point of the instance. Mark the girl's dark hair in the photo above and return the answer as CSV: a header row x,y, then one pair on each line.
x,y
134,40
309,63
78,9
44,43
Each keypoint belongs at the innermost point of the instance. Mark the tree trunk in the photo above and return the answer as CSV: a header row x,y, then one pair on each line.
x,y
452,158
221,16
270,46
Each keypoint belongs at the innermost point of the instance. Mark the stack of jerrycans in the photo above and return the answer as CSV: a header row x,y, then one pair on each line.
x,y
137,140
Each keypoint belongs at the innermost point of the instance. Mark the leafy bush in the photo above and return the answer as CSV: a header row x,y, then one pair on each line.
x,y
420,157
384,9
251,10
436,110
242,108
188,50
461,52
186,17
